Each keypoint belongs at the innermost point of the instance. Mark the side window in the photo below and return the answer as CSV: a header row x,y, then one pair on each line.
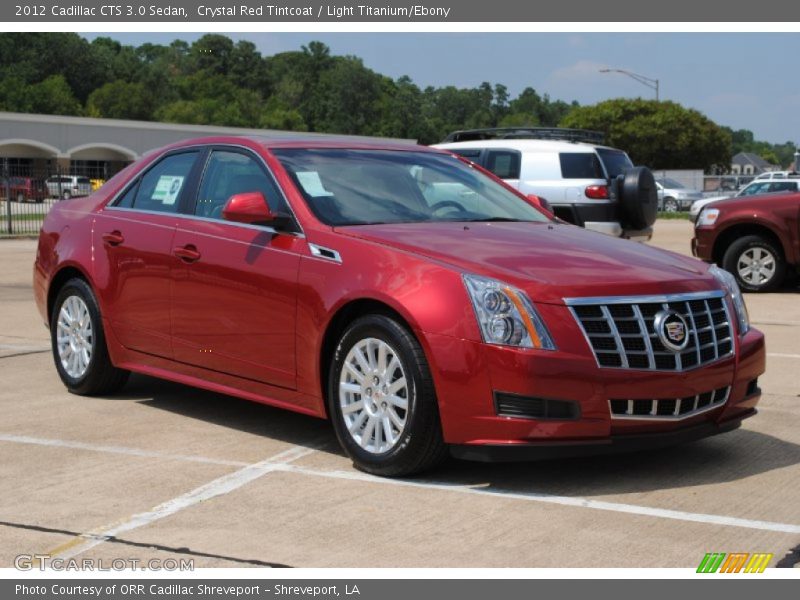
x,y
160,188
229,173
473,154
504,163
783,186
126,200
580,165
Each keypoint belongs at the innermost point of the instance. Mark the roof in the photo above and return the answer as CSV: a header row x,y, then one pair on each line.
x,y
748,158
525,145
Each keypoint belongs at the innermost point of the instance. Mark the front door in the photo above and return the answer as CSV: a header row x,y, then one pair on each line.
x,y
234,286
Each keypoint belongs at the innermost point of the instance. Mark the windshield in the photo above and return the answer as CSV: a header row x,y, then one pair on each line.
x,y
365,187
671,184
615,161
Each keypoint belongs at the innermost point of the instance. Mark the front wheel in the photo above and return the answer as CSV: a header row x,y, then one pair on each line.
x,y
670,205
756,263
382,401
79,344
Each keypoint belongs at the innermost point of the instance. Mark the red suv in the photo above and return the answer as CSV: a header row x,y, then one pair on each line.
x,y
24,189
416,301
756,238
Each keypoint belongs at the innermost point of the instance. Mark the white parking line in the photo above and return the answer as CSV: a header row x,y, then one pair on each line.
x,y
217,487
24,439
782,355
578,502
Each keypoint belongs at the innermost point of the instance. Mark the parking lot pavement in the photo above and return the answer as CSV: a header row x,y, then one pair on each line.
x,y
162,470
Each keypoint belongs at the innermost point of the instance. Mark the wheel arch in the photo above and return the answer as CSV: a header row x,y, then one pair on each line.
x,y
732,233
58,280
338,323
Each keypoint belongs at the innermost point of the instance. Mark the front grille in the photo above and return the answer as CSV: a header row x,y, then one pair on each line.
x,y
621,333
668,408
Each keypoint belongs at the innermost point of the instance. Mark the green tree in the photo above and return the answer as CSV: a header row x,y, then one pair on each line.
x,y
121,100
661,135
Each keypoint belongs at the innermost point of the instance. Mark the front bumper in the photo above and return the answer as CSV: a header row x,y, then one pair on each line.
x,y
703,243
468,374
615,444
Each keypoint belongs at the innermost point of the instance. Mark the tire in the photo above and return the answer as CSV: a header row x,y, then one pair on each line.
x,y
638,198
670,205
755,248
86,378
65,195
416,446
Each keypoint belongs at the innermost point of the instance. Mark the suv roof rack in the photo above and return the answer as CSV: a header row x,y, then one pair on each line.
x,y
527,133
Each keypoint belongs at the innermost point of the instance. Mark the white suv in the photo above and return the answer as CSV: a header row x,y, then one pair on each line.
x,y
584,182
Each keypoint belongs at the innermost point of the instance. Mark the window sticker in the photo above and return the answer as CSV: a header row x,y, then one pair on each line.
x,y
168,188
312,184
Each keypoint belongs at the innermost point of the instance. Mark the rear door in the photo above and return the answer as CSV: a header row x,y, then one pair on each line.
x,y
133,253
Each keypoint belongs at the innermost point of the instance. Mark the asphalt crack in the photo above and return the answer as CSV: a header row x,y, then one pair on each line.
x,y
151,546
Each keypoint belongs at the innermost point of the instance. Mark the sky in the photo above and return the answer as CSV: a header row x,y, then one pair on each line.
x,y
742,80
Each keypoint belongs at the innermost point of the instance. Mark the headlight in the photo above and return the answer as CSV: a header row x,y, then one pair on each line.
x,y
728,282
708,216
506,316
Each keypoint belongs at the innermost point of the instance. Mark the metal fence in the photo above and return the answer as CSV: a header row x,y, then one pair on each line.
x,y
28,191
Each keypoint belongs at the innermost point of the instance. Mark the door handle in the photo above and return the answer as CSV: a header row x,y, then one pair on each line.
x,y
187,253
113,238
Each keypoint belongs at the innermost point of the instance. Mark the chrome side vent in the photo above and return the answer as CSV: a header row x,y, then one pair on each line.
x,y
326,253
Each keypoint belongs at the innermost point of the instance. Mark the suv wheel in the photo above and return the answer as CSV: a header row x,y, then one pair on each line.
x,y
756,263
79,344
670,205
65,195
382,401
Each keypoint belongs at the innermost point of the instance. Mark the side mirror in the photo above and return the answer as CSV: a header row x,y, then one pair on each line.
x,y
248,207
541,203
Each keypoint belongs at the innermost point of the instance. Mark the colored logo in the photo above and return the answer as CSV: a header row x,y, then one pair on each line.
x,y
672,330
736,562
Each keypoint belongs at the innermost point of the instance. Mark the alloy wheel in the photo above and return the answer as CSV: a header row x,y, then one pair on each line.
x,y
74,336
374,395
756,266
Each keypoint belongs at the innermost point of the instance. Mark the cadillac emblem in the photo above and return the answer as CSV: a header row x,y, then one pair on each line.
x,y
672,330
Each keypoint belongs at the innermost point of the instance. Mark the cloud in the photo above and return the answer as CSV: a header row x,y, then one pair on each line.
x,y
578,71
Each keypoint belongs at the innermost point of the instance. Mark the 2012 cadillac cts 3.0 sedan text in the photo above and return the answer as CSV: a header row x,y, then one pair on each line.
x,y
412,298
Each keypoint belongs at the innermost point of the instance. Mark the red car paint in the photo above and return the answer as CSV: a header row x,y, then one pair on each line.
x,y
161,310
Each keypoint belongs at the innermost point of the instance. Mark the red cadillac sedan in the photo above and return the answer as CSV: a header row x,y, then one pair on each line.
x,y
413,299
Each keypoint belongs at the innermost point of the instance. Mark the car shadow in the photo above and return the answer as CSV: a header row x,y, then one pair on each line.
x,y
725,458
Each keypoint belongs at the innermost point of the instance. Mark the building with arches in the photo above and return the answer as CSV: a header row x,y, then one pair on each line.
x,y
33,145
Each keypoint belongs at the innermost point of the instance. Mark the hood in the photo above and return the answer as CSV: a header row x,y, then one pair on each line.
x,y
550,261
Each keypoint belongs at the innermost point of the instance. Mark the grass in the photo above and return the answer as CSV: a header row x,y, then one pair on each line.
x,y
674,215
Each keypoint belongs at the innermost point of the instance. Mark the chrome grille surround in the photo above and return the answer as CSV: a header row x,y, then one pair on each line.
x,y
668,409
620,332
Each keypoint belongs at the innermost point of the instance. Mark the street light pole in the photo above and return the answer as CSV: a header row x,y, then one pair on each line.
x,y
653,84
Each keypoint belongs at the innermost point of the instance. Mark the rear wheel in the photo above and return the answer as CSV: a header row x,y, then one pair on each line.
x,y
65,195
79,344
756,263
382,401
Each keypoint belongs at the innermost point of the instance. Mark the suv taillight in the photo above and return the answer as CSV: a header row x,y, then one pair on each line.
x,y
597,192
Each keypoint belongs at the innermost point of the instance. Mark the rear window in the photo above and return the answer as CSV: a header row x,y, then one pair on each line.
x,y
472,154
615,161
580,165
84,180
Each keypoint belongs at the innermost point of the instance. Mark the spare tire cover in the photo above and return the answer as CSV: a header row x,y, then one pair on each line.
x,y
638,198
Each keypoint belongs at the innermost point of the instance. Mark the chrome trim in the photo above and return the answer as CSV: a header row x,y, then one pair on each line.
x,y
205,146
325,253
260,228
682,297
714,404
634,302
